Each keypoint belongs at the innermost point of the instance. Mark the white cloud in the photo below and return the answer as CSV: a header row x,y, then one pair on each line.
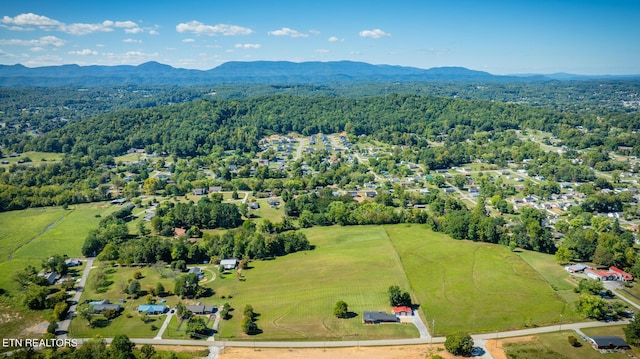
x,y
199,28
374,34
314,32
37,49
30,20
132,41
153,32
84,52
126,24
285,31
322,51
134,30
188,40
334,39
248,46
43,41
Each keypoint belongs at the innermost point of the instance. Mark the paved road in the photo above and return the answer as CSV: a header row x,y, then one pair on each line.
x,y
614,286
356,343
63,326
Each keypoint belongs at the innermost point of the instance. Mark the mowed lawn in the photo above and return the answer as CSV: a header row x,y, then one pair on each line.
x,y
474,287
295,294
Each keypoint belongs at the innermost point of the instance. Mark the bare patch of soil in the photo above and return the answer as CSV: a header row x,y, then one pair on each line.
x,y
392,352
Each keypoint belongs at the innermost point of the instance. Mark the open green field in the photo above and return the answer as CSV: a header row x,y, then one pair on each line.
x,y
556,346
475,287
37,233
266,212
177,330
33,235
295,294
20,227
37,158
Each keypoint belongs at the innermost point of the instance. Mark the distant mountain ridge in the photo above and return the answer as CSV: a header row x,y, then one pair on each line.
x,y
155,73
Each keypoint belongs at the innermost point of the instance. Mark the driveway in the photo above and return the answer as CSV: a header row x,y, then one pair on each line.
x,y
63,326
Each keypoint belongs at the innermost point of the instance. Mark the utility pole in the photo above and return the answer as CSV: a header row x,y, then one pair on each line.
x,y
433,329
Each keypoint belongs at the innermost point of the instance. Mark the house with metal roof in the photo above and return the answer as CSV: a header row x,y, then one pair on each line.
x,y
152,309
229,263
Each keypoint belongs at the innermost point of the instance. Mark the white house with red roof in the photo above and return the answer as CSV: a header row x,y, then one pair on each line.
x,y
621,275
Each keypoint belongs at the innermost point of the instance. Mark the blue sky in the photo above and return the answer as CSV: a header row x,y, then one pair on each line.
x,y
501,37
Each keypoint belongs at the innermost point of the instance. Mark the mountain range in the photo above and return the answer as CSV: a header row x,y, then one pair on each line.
x,y
154,73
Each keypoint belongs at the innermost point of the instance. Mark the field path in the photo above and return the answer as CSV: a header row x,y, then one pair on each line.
x,y
66,213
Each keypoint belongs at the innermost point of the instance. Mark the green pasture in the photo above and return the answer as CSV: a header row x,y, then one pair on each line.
x,y
266,212
177,330
35,234
134,326
556,346
475,287
37,158
294,295
21,227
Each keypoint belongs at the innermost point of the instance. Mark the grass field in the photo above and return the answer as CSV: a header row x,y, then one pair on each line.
x,y
266,212
33,235
37,233
295,294
20,227
556,346
475,287
37,158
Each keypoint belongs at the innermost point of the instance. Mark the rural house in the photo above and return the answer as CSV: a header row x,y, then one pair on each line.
x,y
609,343
152,309
378,317
229,263
201,308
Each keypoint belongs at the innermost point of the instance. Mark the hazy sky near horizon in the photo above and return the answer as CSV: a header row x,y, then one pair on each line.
x,y
501,37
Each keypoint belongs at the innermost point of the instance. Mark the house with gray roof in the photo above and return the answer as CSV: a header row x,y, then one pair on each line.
x,y
379,317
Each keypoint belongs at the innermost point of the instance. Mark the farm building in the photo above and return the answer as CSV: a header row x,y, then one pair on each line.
x,y
402,311
152,309
609,343
378,317
575,268
229,263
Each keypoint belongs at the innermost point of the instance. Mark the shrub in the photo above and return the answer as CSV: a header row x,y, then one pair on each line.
x,y
574,341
